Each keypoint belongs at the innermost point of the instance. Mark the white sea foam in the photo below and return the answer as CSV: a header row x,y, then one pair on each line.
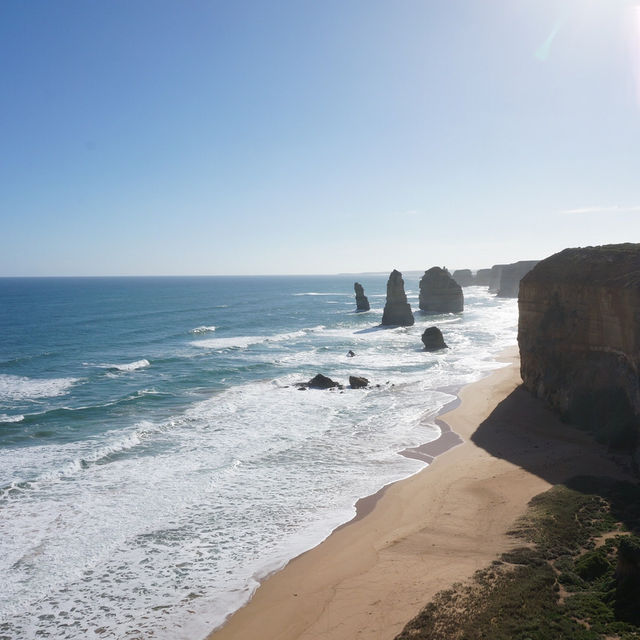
x,y
203,329
318,293
6,419
128,366
23,388
242,342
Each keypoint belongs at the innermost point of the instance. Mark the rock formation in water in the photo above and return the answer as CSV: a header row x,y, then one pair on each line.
x,y
579,337
357,382
440,293
362,302
433,340
511,275
494,280
397,310
483,277
319,381
463,277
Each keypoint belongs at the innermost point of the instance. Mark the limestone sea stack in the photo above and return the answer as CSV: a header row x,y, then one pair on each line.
x,y
579,338
440,293
362,302
397,310
432,339
510,277
483,277
463,277
494,280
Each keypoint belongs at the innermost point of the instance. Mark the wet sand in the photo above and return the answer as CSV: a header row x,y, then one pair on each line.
x,y
499,448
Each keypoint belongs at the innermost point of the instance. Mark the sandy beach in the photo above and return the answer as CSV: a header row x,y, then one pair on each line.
x,y
420,535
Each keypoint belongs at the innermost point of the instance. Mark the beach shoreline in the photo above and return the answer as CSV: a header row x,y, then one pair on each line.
x,y
422,534
427,453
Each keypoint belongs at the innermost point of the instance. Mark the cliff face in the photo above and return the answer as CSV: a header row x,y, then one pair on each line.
x,y
362,302
579,337
397,310
440,293
510,276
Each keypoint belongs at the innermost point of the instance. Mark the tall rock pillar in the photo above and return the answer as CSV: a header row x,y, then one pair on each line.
x,y
397,310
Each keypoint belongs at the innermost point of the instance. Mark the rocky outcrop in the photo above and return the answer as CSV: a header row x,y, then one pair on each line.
x,y
440,293
362,302
494,280
397,310
319,381
510,277
579,337
357,382
483,277
433,340
463,277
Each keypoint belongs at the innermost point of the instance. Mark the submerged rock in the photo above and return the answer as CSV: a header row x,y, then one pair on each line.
x,y
362,302
433,340
579,338
397,310
357,382
440,293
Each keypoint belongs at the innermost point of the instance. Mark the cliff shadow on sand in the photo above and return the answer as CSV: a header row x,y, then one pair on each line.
x,y
523,431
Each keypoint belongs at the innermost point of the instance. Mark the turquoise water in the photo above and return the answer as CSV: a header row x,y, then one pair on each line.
x,y
155,459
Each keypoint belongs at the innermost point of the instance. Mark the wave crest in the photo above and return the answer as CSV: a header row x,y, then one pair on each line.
x,y
242,342
23,388
203,329
4,418
128,366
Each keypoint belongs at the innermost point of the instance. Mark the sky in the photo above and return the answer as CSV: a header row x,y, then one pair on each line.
x,y
196,137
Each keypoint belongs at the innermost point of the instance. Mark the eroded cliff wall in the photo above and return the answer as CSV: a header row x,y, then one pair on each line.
x,y
579,338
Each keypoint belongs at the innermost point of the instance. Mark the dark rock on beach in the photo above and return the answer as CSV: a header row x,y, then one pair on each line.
x,y
433,340
362,302
440,293
579,338
357,382
397,310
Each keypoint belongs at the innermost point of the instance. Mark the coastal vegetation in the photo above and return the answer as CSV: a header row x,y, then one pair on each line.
x,y
576,575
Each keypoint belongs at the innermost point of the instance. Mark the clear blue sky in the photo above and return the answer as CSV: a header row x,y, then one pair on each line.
x,y
209,137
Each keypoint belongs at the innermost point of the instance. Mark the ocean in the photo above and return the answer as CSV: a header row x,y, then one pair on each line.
x,y
156,458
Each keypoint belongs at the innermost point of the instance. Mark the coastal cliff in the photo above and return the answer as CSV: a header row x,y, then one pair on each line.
x,y
579,338
440,293
511,275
